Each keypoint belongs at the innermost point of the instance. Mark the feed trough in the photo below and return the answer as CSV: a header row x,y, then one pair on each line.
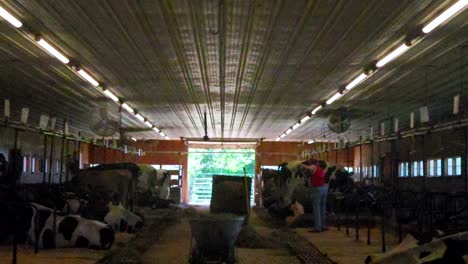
x,y
214,237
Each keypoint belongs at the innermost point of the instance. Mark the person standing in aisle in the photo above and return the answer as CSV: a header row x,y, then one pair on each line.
x,y
316,181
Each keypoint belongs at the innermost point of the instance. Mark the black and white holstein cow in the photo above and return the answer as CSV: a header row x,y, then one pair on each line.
x,y
339,180
122,220
279,189
452,249
53,230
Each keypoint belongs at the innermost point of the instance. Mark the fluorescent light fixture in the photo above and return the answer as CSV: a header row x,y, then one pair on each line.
x,y
316,109
162,134
451,11
296,126
288,131
140,117
53,51
356,81
211,142
134,139
310,141
392,55
128,108
88,77
283,135
156,129
148,124
111,95
334,98
305,118
10,18
278,139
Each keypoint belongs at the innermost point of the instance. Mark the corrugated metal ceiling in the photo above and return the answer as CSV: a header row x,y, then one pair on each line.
x,y
254,66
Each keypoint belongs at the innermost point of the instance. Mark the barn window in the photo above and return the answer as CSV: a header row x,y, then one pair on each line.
x,y
376,172
156,166
404,169
453,166
435,167
270,167
170,167
25,164
418,168
174,177
33,165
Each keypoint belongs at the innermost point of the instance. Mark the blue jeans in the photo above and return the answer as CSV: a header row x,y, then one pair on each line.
x,y
319,203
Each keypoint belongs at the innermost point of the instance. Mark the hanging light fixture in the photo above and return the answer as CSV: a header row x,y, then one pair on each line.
x,y
111,95
305,118
334,98
296,126
392,55
10,18
128,108
446,15
356,81
140,117
88,77
52,51
316,109
148,123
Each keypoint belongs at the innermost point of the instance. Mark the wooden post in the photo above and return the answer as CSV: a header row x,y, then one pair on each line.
x,y
62,150
336,156
13,188
44,160
424,163
66,161
51,157
372,160
360,162
464,160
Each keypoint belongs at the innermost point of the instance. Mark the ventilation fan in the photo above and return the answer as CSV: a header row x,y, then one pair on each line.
x,y
105,126
339,121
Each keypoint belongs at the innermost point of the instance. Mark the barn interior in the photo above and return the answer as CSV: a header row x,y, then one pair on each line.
x,y
233,131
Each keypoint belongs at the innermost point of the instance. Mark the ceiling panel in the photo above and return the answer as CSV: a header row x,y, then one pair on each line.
x,y
254,66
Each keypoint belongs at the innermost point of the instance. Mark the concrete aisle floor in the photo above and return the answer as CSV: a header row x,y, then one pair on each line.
x,y
345,249
174,248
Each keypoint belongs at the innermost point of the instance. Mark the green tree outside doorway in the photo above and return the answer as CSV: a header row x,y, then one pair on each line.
x,y
204,163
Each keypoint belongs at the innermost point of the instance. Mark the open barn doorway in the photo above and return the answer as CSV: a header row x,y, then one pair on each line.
x,y
203,163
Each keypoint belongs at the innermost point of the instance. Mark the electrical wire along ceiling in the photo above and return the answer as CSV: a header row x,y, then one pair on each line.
x,y
259,69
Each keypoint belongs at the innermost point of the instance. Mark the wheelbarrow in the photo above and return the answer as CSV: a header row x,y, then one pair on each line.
x,y
213,238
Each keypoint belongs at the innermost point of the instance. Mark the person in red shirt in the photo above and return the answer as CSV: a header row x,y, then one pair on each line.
x,y
316,181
